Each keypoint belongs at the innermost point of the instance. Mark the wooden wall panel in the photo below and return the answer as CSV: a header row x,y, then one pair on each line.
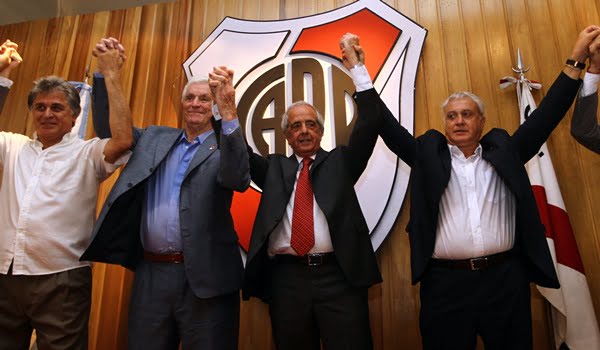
x,y
470,45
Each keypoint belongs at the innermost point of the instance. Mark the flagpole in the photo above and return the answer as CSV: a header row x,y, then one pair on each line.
x,y
521,80
571,316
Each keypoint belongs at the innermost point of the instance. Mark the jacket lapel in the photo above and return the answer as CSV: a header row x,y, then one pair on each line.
x,y
289,168
206,149
321,156
165,143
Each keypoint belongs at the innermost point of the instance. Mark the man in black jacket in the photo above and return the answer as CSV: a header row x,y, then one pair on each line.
x,y
316,287
475,233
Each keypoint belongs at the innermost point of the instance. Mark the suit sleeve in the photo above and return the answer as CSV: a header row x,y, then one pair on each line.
x,y
100,111
532,134
396,137
259,166
3,93
234,170
364,134
584,126
100,107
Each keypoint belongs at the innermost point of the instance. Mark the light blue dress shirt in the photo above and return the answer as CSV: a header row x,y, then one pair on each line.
x,y
160,215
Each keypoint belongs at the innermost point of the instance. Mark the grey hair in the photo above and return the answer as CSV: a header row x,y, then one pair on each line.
x,y
55,84
286,115
465,94
194,80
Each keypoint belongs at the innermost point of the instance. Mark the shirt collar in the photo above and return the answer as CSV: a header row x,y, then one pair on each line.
x,y
66,138
455,152
200,138
313,157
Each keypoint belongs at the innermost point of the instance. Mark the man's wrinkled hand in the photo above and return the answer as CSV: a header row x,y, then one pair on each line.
x,y
221,85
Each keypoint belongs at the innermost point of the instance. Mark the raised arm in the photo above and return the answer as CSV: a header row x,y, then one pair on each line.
x,y
364,134
395,136
584,126
530,136
110,54
235,168
9,60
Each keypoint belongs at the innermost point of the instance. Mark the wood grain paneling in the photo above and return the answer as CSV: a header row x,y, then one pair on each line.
x,y
470,45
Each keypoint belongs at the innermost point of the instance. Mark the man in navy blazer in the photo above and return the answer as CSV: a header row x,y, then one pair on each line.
x,y
476,237
168,218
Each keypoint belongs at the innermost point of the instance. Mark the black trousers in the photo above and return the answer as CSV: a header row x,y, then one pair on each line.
x,y
458,305
314,304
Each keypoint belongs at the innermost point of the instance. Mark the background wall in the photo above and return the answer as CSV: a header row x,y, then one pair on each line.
x,y
471,44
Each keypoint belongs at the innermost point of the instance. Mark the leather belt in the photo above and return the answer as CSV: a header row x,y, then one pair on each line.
x,y
316,259
174,258
474,264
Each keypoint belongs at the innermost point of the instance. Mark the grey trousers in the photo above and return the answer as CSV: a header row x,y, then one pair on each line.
x,y
164,311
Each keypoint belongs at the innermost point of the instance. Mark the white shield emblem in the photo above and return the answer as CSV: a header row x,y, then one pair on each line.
x,y
279,62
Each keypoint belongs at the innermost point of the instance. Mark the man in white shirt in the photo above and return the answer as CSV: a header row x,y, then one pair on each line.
x,y
584,125
47,211
476,237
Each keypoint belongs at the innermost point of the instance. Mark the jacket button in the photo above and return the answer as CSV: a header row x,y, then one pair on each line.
x,y
129,184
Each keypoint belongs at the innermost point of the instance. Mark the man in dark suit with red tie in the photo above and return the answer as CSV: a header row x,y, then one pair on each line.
x,y
310,254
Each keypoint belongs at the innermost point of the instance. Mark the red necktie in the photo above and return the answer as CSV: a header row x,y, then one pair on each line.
x,y
303,227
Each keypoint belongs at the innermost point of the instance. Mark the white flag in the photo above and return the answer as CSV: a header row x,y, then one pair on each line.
x,y
572,312
85,93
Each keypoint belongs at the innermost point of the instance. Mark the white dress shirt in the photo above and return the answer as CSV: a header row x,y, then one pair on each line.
x,y
48,201
590,84
477,210
5,82
279,241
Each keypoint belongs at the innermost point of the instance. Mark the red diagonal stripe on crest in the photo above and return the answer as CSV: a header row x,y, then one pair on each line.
x,y
377,37
558,228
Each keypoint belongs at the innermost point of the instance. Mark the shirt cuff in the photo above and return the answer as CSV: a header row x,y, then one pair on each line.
x,y
590,84
361,78
5,82
227,127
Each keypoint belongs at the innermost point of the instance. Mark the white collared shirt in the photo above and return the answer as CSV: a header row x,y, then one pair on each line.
x,y
279,241
477,210
5,82
590,84
48,201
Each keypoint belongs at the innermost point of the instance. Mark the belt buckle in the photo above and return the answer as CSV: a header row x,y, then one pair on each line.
x,y
314,259
478,263
175,258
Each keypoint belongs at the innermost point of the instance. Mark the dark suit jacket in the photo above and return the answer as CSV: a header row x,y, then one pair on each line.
x,y
3,92
212,257
429,158
584,126
333,175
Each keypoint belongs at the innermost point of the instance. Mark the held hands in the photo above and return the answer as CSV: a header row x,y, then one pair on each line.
x,y
220,81
9,58
595,56
581,49
111,55
352,52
